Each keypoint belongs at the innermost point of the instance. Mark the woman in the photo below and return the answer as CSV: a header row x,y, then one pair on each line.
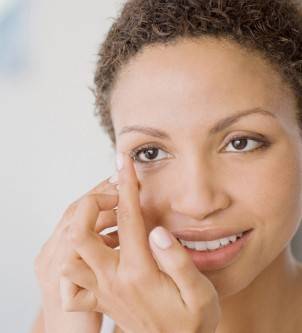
x,y
206,98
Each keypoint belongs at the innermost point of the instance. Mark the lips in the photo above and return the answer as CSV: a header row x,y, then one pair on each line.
x,y
222,257
209,233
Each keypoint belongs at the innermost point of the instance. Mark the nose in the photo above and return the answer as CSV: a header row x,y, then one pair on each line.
x,y
198,192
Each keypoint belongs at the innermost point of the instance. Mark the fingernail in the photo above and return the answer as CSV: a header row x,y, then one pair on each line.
x,y
161,238
119,161
114,178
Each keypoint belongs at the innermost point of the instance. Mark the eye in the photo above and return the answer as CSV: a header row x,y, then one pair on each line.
x,y
241,142
150,153
147,154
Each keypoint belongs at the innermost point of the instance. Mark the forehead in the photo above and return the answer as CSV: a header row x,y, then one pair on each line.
x,y
205,79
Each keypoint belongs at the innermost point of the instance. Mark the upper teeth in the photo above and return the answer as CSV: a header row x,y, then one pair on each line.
x,y
210,245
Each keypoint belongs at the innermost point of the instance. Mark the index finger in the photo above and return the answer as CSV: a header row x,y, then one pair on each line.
x,y
134,246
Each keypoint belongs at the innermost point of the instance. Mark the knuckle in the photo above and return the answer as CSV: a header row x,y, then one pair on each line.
x,y
88,198
87,201
95,189
70,210
96,198
65,231
77,234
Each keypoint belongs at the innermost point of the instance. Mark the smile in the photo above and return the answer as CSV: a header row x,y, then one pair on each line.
x,y
211,245
216,254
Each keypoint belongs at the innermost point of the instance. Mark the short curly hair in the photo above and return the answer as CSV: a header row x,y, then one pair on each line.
x,y
271,27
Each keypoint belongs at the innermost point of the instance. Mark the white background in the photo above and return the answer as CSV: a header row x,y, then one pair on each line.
x,y
52,148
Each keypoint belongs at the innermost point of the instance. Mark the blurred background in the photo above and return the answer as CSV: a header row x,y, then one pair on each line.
x,y
52,148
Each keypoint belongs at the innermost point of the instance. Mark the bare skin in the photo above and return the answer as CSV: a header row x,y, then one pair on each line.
x,y
184,90
51,317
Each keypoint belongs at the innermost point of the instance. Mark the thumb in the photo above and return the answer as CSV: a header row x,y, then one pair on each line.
x,y
175,261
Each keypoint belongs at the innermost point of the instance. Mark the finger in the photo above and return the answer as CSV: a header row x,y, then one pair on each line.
x,y
105,187
106,219
74,298
134,248
89,208
51,245
89,245
79,273
177,263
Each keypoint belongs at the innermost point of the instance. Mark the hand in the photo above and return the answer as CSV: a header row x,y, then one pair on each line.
x,y
142,287
48,265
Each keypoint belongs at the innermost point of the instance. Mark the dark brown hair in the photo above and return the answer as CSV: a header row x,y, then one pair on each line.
x,y
271,27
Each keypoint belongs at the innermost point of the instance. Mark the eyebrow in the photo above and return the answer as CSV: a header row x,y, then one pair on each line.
x,y
218,127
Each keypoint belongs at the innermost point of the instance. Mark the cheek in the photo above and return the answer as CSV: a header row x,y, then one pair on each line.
x,y
273,198
154,202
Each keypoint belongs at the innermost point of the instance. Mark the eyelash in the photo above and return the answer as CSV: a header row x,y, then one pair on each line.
x,y
135,152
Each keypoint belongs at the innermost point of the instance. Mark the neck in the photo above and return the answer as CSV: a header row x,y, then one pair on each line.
x,y
267,304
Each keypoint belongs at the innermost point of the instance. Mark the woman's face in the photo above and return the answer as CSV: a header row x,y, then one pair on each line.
x,y
195,177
